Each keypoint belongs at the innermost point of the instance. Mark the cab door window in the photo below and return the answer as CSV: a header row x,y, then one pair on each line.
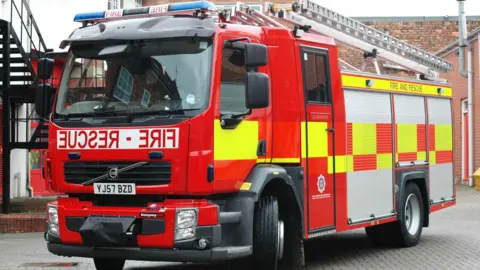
x,y
317,86
232,86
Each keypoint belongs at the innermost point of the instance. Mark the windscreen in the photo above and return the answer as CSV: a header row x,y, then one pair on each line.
x,y
142,77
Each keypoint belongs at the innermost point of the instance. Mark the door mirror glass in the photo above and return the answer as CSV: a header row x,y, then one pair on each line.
x,y
255,55
45,68
43,100
247,54
257,90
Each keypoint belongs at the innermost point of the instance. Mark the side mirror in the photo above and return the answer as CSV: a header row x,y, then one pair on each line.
x,y
43,100
255,55
45,68
257,90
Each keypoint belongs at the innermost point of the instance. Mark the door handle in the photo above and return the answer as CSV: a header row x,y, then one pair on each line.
x,y
330,129
262,148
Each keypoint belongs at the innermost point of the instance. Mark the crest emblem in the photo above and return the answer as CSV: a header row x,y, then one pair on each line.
x,y
321,183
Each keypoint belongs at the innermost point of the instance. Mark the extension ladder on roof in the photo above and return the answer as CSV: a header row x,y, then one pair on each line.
x,y
373,42
249,16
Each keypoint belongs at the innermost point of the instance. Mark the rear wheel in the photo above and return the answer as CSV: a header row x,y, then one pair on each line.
x,y
109,264
268,234
409,229
406,231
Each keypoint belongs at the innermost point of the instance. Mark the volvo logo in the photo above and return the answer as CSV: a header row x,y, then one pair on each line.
x,y
113,173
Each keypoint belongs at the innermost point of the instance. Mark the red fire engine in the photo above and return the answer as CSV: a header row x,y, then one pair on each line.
x,y
182,133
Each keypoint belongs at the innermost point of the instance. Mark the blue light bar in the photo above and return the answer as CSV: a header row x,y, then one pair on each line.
x,y
192,6
89,16
147,10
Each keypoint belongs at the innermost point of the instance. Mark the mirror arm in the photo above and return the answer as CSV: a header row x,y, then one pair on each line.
x,y
235,44
237,116
229,121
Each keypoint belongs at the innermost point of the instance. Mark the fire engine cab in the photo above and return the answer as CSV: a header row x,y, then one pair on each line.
x,y
183,133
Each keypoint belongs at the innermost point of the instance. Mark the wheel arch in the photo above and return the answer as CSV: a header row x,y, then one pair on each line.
x,y
420,178
286,183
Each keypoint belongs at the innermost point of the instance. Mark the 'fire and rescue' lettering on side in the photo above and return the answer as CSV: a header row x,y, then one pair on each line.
x,y
158,138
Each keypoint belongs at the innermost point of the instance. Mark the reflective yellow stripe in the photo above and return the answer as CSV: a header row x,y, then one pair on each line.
x,y
236,144
443,137
407,138
384,161
349,163
340,164
317,140
364,140
350,81
432,157
422,156
285,160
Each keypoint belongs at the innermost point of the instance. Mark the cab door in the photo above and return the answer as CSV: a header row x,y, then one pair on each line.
x,y
317,143
239,142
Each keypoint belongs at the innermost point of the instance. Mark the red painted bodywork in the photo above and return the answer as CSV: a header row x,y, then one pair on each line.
x,y
207,216
279,125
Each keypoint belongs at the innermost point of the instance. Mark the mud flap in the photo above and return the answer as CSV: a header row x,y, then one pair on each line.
x,y
106,231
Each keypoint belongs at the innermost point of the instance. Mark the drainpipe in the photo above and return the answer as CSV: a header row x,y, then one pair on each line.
x,y
462,43
470,115
462,39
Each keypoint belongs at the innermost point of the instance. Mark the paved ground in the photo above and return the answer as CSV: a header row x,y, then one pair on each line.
x,y
452,242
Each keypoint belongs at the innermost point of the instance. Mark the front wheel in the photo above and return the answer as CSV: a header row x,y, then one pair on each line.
x,y
268,234
109,264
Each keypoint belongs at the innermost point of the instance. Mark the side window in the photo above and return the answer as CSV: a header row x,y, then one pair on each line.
x,y
315,70
232,86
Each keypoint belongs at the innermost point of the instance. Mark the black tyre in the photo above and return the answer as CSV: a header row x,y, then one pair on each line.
x,y
109,264
406,231
268,234
409,229
294,255
381,235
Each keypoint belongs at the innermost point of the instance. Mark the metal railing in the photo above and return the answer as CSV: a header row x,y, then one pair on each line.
x,y
21,8
31,45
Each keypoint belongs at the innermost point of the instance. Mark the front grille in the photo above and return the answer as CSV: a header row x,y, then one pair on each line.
x,y
152,173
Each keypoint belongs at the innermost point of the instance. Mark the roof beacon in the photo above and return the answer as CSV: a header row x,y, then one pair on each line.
x,y
98,16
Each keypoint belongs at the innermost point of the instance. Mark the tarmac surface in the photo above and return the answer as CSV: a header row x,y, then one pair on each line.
x,y
451,242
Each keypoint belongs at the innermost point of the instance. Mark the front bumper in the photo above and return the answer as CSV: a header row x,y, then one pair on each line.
x,y
151,254
136,233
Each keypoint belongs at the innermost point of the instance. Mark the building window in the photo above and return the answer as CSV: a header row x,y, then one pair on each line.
x,y
124,87
232,86
115,4
139,3
229,6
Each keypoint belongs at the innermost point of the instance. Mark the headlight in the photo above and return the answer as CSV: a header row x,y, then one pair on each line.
x,y
53,229
186,219
52,222
185,223
53,214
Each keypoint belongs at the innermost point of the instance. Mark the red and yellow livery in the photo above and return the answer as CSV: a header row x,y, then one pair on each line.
x,y
190,140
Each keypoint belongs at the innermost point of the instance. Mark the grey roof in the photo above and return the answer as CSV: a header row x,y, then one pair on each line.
x,y
143,28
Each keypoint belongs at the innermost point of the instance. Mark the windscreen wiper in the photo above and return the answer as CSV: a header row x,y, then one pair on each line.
x,y
92,114
132,115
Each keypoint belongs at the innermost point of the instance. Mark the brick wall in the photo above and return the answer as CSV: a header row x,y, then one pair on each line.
x,y
428,35
460,86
